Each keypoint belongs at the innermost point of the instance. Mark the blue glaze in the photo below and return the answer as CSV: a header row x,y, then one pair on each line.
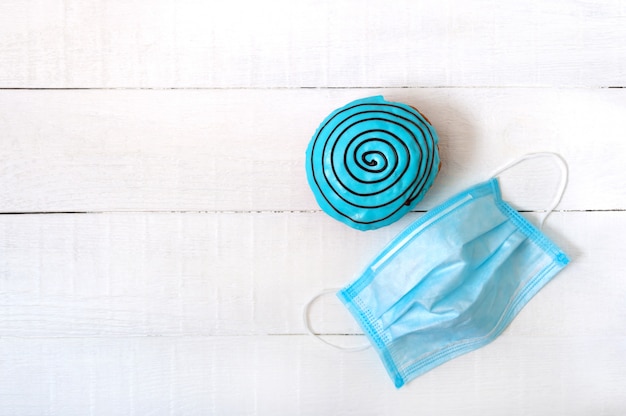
x,y
372,161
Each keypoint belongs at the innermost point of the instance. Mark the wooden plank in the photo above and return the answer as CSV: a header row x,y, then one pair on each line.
x,y
242,274
515,375
243,150
167,43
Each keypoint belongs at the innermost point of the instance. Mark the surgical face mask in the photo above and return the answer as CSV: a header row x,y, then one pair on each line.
x,y
453,280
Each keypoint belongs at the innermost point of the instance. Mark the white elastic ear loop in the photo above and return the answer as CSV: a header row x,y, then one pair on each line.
x,y
307,324
564,177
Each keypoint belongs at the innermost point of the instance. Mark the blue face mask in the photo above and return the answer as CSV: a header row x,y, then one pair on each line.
x,y
452,281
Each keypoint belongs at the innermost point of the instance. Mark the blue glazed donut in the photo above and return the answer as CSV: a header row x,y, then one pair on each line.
x,y
372,161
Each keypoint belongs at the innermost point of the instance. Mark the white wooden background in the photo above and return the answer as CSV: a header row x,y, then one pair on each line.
x,y
158,237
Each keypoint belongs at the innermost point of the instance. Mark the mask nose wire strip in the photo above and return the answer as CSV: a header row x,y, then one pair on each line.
x,y
562,185
307,324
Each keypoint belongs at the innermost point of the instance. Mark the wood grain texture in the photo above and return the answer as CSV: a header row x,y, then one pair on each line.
x,y
354,43
180,291
515,375
251,274
243,150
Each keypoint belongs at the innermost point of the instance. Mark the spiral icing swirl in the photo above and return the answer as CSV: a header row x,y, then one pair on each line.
x,y
371,161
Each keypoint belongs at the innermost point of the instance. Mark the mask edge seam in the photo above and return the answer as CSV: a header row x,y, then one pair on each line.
x,y
365,319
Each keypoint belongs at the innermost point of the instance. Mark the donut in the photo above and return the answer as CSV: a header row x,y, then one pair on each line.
x,y
371,161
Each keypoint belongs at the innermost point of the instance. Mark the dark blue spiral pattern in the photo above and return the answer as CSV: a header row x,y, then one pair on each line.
x,y
371,161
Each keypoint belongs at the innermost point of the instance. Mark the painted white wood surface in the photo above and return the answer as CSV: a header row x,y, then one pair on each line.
x,y
173,282
250,274
355,43
243,150
516,375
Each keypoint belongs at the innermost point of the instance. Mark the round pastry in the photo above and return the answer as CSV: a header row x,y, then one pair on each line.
x,y
372,161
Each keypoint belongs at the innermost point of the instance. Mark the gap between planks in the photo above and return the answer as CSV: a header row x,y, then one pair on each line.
x,y
247,212
304,87
182,336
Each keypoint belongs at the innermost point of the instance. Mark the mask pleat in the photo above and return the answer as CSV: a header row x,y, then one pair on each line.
x,y
451,282
446,274
443,302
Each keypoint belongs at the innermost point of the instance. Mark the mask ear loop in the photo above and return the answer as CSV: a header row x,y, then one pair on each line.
x,y
562,185
307,324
